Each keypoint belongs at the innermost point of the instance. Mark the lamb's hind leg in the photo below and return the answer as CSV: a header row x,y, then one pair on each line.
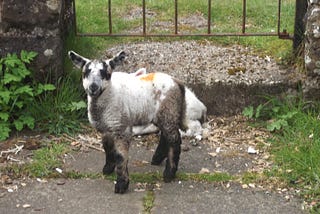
x,y
161,151
121,160
173,139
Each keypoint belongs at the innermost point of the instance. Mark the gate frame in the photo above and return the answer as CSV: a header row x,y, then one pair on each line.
x,y
281,35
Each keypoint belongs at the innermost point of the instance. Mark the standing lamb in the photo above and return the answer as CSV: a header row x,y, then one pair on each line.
x,y
117,101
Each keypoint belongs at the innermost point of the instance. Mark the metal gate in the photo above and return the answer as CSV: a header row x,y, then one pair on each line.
x,y
282,34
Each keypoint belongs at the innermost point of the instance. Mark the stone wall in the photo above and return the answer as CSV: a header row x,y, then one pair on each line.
x,y
37,26
312,50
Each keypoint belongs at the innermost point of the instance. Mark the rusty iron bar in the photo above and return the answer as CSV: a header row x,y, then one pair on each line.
x,y
74,17
209,16
176,17
244,15
144,17
110,17
279,16
281,35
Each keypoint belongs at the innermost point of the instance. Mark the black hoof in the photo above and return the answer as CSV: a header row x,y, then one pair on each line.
x,y
121,186
108,169
169,175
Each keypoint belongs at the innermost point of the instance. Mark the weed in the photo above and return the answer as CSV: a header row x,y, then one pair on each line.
x,y
295,144
46,160
148,201
277,112
18,90
44,163
61,111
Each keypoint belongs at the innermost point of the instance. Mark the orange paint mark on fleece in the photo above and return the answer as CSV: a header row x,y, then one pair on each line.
x,y
148,77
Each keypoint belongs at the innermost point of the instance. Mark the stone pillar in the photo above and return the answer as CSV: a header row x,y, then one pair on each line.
x,y
34,26
311,87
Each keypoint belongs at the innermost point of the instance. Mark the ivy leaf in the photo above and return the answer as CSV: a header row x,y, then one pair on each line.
x,y
12,60
18,124
277,125
19,104
75,106
5,95
258,111
289,115
27,56
4,131
48,87
248,112
22,71
8,78
24,89
24,120
4,116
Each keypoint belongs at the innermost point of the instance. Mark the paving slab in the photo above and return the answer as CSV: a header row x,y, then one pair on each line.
x,y
70,196
191,161
190,197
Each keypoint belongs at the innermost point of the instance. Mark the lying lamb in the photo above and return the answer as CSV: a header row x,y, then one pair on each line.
x,y
196,113
117,101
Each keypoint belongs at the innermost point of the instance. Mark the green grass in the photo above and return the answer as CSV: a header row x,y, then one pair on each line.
x,y
296,151
63,110
46,160
148,201
226,17
295,146
43,165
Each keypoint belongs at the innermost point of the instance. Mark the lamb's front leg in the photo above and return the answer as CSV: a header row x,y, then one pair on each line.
x,y
109,149
121,163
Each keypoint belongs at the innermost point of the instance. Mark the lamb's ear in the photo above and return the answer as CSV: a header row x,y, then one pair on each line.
x,y
118,59
77,60
139,72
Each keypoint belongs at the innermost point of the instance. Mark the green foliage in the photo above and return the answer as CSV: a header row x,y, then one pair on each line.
x,y
17,92
275,111
251,112
148,201
63,110
295,144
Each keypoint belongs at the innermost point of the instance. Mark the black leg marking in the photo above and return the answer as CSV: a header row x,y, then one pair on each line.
x,y
121,161
108,146
161,151
173,159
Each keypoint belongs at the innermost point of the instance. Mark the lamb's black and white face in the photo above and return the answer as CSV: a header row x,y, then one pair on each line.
x,y
95,73
94,76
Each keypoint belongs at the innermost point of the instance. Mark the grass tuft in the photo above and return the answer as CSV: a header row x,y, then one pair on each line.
x,y
295,144
148,201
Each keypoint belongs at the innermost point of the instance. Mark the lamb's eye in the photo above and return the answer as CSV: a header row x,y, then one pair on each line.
x,y
105,74
104,71
87,71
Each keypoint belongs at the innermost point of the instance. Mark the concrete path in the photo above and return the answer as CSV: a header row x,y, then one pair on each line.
x,y
97,195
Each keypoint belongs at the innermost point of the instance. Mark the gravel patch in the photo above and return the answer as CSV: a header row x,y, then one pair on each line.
x,y
201,61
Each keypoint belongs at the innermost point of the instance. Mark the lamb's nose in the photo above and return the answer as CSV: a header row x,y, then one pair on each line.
x,y
93,87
